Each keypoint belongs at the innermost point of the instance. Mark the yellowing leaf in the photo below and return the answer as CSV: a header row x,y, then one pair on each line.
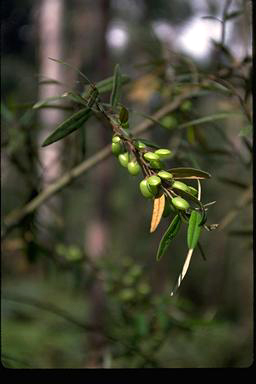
x,y
158,209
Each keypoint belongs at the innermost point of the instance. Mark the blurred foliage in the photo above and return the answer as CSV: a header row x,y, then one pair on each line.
x,y
47,272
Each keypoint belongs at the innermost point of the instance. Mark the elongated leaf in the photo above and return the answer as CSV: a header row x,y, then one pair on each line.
x,y
194,229
71,124
168,236
158,209
107,84
114,98
42,103
71,66
183,272
207,119
189,173
75,97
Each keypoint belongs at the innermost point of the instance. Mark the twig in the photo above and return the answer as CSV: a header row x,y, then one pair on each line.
x,y
17,215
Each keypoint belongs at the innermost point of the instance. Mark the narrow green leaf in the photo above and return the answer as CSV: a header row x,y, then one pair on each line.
x,y
42,103
207,119
107,84
114,98
168,236
71,124
71,66
75,97
189,173
194,229
91,95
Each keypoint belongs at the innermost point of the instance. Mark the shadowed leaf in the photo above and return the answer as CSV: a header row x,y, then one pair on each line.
x,y
115,94
168,236
71,124
189,173
194,229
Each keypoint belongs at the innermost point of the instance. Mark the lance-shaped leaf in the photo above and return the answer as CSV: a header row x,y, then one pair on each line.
x,y
107,84
207,119
42,103
115,94
168,236
71,124
183,272
194,229
189,173
158,209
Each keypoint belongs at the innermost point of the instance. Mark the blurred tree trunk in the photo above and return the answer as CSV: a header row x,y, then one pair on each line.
x,y
50,22
97,236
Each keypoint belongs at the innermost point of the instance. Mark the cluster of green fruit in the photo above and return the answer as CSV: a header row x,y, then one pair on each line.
x,y
150,186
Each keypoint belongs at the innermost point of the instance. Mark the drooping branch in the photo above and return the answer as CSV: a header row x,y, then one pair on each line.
x,y
17,215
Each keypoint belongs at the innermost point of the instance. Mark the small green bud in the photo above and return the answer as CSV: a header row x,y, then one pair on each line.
x,y
180,203
180,185
169,122
140,145
186,106
116,149
133,168
124,159
116,139
163,153
193,191
156,164
153,184
165,175
145,190
151,156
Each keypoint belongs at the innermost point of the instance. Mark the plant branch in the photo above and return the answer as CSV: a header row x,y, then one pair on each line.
x,y
16,216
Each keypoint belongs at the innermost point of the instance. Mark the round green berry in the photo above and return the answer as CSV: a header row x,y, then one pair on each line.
x,y
156,164
151,156
116,149
153,183
133,168
145,190
123,159
163,153
192,190
116,139
165,175
181,186
140,145
180,203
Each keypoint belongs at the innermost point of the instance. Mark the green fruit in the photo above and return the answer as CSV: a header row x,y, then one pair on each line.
x,y
151,156
156,164
153,184
116,149
193,191
145,190
140,145
116,139
180,203
169,122
124,159
165,175
133,168
186,106
163,153
181,186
